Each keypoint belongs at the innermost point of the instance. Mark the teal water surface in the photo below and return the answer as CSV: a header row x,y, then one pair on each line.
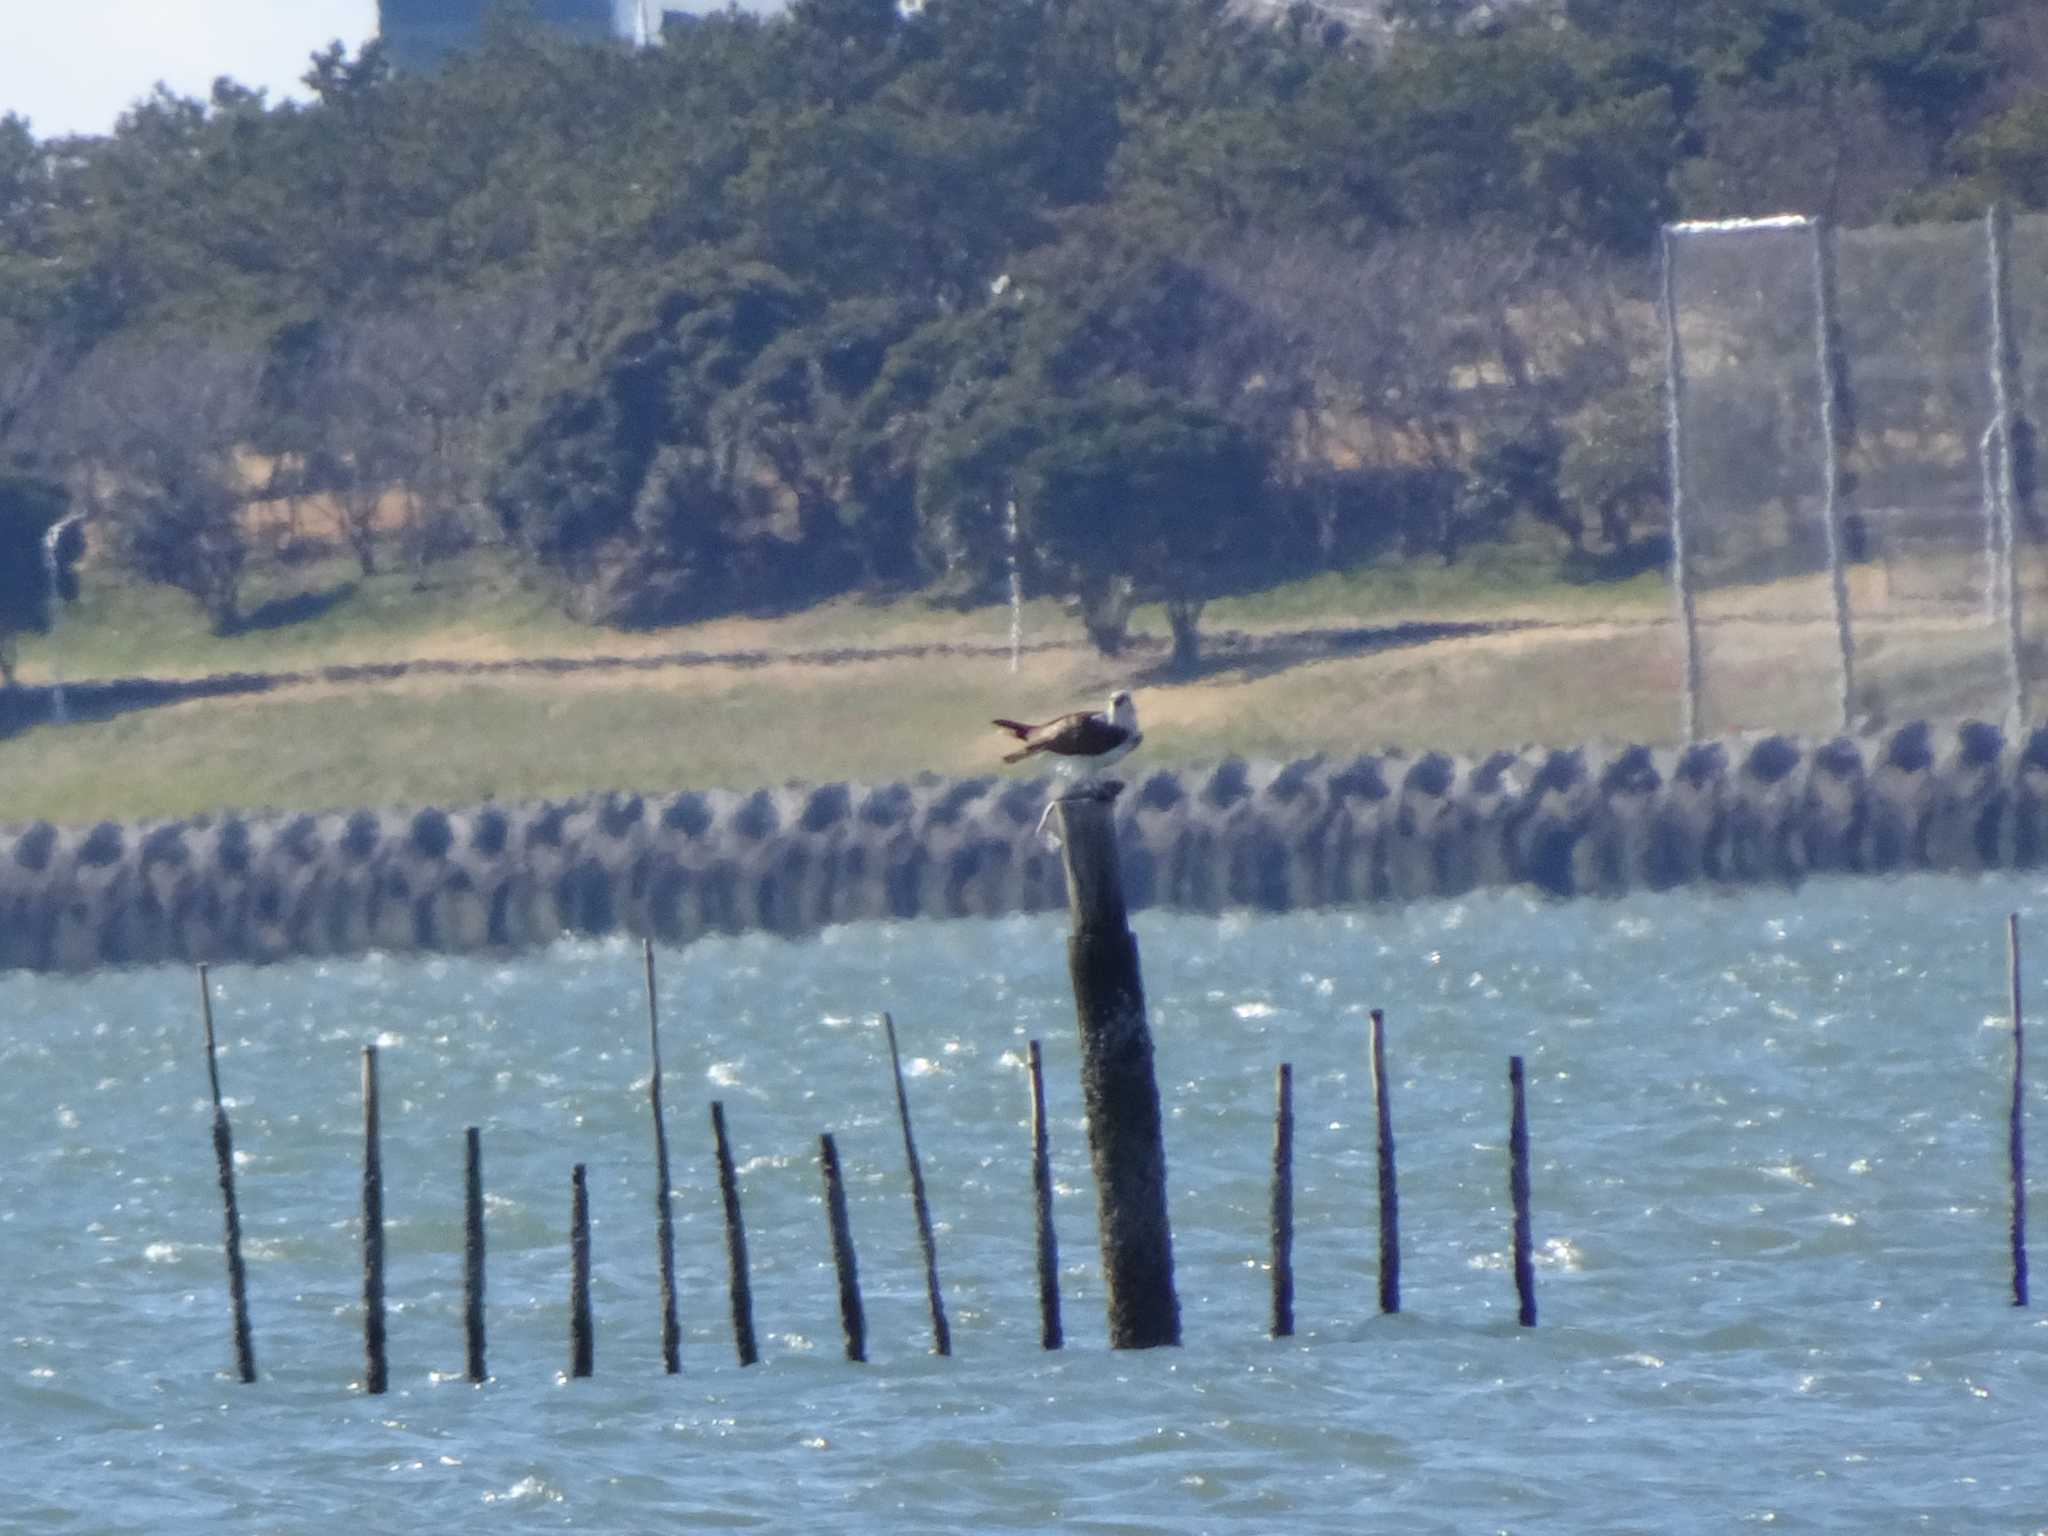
x,y
1770,1210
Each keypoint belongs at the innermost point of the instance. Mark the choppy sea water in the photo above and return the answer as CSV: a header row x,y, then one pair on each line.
x,y
1770,1208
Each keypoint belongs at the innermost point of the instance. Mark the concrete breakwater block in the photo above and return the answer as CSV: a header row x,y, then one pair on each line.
x,y
1269,836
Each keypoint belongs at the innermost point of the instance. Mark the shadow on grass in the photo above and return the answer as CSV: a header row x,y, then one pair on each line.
x,y
299,608
1252,656
90,702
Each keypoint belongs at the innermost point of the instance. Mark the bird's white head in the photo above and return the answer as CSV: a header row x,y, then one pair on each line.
x,y
1122,712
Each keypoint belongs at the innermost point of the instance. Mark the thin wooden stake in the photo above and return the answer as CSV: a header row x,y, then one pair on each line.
x,y
473,1252
1283,1202
664,1215
735,1244
1518,1191
942,1336
582,1342
376,1369
851,1318
224,1168
1390,1199
2017,1129
1050,1334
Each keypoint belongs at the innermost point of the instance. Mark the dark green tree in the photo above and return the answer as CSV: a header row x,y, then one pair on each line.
x,y
1136,496
626,482
2008,157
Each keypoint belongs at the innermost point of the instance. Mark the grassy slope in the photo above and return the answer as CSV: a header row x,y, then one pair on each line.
x,y
457,739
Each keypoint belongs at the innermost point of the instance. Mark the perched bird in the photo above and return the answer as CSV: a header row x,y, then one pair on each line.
x,y
1086,741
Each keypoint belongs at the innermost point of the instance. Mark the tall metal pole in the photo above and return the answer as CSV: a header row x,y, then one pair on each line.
x,y
2003,388
53,567
1831,384
1674,438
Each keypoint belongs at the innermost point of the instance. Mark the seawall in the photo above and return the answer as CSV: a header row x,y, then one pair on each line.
x,y
1266,836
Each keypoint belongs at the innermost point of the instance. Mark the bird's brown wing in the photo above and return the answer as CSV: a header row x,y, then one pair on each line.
x,y
1046,736
1082,734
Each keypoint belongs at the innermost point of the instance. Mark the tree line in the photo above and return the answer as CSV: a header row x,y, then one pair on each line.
x,y
1190,298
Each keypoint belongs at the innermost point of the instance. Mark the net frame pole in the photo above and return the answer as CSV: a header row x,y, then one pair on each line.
x,y
1831,379
2003,479
1994,535
1674,438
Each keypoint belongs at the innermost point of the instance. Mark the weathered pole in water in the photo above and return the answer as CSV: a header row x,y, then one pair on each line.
x,y
942,1336
1283,1202
664,1215
1518,1193
224,1168
1050,1333
582,1335
473,1252
738,1282
2016,1139
852,1319
376,1370
1390,1198
1126,1138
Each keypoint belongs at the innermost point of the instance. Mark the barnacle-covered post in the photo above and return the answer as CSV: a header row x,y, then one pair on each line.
x,y
1120,1092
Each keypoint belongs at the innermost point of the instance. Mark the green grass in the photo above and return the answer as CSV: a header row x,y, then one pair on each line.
x,y
452,740
477,606
468,609
1490,583
121,629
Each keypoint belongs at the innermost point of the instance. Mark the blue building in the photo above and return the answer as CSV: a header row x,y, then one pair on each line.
x,y
419,34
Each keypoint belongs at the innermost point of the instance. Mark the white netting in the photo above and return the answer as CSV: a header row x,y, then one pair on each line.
x,y
1871,582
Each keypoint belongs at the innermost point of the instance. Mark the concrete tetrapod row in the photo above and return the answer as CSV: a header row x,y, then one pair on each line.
x,y
1271,836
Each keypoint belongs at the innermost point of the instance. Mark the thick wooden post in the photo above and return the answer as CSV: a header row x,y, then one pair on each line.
x,y
1126,1138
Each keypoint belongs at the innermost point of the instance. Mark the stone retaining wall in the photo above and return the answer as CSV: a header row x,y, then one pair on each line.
x,y
1266,836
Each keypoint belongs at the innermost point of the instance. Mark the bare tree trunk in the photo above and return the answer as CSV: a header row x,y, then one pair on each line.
x,y
359,519
1182,615
1106,613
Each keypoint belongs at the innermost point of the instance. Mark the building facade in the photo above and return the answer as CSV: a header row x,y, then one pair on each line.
x,y
420,34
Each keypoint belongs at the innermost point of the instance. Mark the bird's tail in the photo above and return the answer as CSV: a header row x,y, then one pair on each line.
x,y
1016,728
1019,755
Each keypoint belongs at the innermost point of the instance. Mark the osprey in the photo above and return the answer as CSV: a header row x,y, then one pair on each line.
x,y
1087,740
